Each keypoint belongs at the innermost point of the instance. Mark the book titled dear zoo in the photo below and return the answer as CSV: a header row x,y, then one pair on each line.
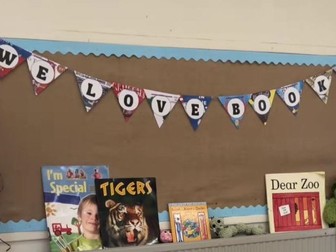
x,y
128,211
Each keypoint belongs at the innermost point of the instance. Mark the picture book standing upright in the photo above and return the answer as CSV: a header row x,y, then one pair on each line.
x,y
295,201
128,211
189,221
71,207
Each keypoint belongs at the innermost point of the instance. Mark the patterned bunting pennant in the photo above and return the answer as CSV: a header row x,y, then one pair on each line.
x,y
235,107
321,85
129,98
291,95
43,72
261,103
161,104
11,56
195,107
92,89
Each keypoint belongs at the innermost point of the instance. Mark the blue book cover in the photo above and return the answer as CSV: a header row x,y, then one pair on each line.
x,y
71,207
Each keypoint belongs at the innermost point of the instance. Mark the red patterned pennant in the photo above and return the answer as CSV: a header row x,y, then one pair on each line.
x,y
11,56
129,98
43,72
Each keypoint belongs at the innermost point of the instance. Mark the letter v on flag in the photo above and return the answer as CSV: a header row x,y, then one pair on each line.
x,y
161,104
235,106
195,107
11,56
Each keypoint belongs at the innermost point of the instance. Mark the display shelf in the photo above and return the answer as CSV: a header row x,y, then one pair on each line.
x,y
323,240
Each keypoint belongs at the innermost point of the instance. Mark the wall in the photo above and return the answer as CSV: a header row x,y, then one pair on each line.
x,y
303,27
252,25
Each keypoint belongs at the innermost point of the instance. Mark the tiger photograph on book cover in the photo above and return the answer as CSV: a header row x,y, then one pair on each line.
x,y
126,225
128,211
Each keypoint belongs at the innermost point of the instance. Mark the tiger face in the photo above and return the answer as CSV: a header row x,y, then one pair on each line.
x,y
126,225
136,229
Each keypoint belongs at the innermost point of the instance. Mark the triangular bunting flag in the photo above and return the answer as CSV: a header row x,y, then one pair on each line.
x,y
43,72
195,107
261,103
235,107
92,89
11,56
291,95
321,85
129,98
161,104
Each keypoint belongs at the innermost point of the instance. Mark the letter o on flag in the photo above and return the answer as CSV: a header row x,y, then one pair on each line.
x,y
291,96
261,104
128,99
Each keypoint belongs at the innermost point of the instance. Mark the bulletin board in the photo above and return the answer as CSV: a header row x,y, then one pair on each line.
x,y
216,163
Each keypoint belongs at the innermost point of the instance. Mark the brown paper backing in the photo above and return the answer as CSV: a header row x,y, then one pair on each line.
x,y
217,163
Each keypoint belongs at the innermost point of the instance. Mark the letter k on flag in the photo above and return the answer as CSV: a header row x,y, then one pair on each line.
x,y
321,85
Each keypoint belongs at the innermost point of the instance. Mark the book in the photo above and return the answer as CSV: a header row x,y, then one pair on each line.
x,y
295,201
189,221
128,211
64,189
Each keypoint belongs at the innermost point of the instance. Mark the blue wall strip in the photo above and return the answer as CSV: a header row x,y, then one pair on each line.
x,y
97,49
41,226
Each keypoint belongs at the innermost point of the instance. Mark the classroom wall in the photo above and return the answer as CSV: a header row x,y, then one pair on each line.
x,y
250,25
302,27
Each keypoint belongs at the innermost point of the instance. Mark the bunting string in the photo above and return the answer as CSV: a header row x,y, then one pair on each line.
x,y
44,72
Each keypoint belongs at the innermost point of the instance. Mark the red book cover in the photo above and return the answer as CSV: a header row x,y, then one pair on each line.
x,y
295,201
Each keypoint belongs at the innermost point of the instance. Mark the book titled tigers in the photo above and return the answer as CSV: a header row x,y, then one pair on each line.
x,y
70,206
295,201
189,221
128,211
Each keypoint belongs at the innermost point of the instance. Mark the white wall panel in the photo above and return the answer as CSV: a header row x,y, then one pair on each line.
x,y
301,26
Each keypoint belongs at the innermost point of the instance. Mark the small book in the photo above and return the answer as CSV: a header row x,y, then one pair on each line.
x,y
295,201
71,207
189,221
128,211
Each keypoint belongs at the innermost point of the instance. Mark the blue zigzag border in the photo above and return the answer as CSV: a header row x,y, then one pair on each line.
x,y
117,50
41,226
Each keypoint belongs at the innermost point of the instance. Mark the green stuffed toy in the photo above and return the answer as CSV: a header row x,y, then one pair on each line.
x,y
219,230
329,211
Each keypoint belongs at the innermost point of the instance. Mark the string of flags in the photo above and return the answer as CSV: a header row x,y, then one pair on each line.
x,y
44,72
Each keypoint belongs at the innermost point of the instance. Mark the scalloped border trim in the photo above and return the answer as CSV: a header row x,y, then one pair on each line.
x,y
41,225
148,52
